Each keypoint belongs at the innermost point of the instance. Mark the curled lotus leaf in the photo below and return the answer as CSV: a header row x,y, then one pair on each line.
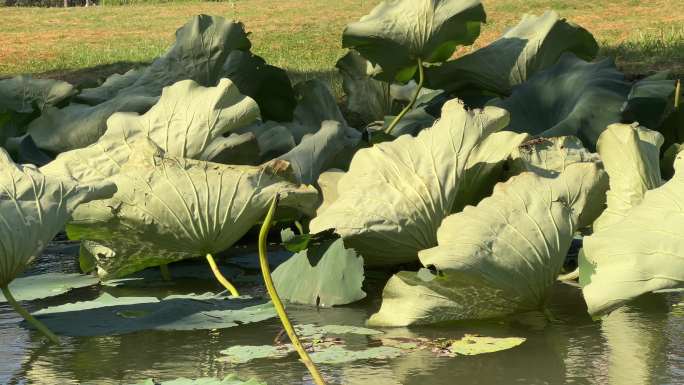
x,y
33,208
499,258
396,33
396,194
171,208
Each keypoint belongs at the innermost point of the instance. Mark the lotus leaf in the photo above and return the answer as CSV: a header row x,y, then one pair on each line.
x,y
366,97
228,380
184,122
650,101
201,48
23,94
533,45
398,33
549,157
108,90
325,274
109,315
337,355
641,252
500,257
33,208
234,149
572,97
472,344
170,208
47,285
395,194
630,155
327,185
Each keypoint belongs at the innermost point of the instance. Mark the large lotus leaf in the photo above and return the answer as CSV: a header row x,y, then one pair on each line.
x,y
108,315
327,186
273,138
79,125
33,209
396,33
170,208
668,159
325,274
184,123
23,93
111,86
47,285
366,97
534,44
228,380
650,101
499,258
639,254
268,85
549,157
201,48
318,152
234,149
485,167
395,194
630,155
572,97
316,104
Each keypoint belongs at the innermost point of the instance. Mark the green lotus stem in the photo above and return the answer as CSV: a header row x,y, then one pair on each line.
x,y
165,273
277,303
678,91
217,273
299,227
28,317
421,80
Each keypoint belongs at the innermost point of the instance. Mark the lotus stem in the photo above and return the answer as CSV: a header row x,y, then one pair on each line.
x,y
277,303
573,275
421,80
165,273
299,227
217,273
678,92
28,317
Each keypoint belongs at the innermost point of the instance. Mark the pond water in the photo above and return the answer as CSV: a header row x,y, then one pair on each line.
x,y
639,344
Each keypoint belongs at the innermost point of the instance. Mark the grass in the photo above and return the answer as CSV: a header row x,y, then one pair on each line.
x,y
303,36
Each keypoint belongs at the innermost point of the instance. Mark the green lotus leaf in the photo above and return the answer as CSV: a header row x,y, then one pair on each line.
x,y
268,85
570,98
79,125
171,208
499,258
327,185
108,315
367,98
234,149
228,380
47,285
396,33
274,139
549,157
668,159
325,274
650,101
639,254
630,155
240,354
184,123
337,355
485,167
395,194
33,208
109,88
23,94
318,152
201,48
533,45
316,104
471,345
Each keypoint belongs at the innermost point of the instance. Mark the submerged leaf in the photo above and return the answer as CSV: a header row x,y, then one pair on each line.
x,y
336,355
229,380
395,195
170,208
533,45
499,258
47,285
109,315
326,275
397,33
640,253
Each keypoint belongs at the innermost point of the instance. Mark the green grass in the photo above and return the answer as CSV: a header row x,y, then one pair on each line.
x,y
303,36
